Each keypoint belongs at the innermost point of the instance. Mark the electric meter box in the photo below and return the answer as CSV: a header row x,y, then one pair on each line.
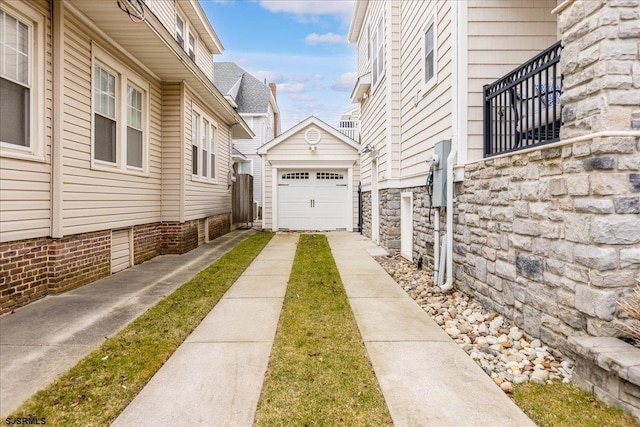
x,y
439,197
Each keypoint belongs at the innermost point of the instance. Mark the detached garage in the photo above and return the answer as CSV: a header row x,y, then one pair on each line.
x,y
311,174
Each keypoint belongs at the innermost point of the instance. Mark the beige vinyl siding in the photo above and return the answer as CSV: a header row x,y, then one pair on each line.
x,y
172,160
502,35
206,198
426,116
204,59
394,88
165,11
373,109
25,185
267,214
98,199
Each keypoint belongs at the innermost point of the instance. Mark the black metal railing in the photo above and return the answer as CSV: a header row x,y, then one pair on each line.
x,y
523,109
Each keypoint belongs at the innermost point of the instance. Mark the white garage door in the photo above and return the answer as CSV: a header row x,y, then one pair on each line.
x,y
120,250
313,200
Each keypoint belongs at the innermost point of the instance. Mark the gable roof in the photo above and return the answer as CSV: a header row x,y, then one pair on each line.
x,y
249,94
303,124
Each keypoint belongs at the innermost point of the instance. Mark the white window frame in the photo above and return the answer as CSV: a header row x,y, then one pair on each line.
x,y
377,60
187,30
35,22
427,85
211,147
124,77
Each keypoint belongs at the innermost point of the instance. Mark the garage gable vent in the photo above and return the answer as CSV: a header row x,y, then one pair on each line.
x,y
312,136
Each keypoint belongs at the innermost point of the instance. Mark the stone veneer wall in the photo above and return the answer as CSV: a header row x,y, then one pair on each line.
x,y
390,219
551,238
366,213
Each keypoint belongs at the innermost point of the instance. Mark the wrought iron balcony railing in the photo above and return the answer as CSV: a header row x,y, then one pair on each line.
x,y
523,108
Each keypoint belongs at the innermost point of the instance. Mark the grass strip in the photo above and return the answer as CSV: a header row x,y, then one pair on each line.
x,y
100,386
565,405
319,373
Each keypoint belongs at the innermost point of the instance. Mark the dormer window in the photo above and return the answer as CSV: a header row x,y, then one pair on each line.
x,y
191,46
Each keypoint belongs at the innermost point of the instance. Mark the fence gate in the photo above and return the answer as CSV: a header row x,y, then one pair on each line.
x,y
242,199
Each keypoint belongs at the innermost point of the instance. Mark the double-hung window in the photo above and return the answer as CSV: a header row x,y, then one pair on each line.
x,y
377,45
120,116
21,77
429,54
191,46
185,36
203,146
180,30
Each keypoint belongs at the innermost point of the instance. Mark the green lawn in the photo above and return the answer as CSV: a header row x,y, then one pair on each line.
x,y
319,373
99,387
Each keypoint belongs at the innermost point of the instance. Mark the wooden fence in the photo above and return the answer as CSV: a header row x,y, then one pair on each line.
x,y
242,199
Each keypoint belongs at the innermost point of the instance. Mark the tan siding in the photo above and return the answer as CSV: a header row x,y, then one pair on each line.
x,y
92,186
171,149
203,199
165,11
204,59
428,120
25,185
502,35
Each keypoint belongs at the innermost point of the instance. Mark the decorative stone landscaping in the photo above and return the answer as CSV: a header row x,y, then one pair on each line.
x,y
503,351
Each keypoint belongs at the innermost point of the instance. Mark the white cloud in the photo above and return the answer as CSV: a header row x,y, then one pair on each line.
x,y
303,97
292,87
270,77
332,38
318,77
342,8
344,82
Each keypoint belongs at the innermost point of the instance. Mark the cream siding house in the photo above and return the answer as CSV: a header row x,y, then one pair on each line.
x,y
97,171
535,209
310,178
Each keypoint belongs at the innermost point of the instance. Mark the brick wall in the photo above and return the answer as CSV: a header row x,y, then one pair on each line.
x,y
219,225
147,242
23,272
551,238
79,259
178,238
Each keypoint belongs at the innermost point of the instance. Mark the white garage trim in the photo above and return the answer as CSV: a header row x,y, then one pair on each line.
x,y
406,225
280,166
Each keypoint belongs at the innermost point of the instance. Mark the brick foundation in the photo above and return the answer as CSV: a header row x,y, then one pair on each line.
x,y
32,268
147,242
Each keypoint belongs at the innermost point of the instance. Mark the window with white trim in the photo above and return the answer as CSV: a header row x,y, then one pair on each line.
x,y
120,116
21,83
377,45
185,35
430,53
203,145
180,30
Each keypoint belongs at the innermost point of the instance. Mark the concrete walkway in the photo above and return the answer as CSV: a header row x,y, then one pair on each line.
x,y
215,377
41,341
425,377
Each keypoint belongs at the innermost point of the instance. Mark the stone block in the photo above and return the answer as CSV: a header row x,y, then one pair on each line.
x,y
634,182
506,270
609,184
595,257
532,320
581,149
550,230
613,145
530,191
521,209
627,205
578,185
616,229
628,30
529,266
599,206
629,163
577,227
619,50
526,227
630,257
597,163
596,302
558,186
566,298
613,279
562,250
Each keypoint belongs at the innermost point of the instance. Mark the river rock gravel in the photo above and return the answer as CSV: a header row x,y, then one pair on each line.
x,y
503,351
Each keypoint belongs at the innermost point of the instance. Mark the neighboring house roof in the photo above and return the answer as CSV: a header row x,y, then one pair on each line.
x,y
306,122
249,94
235,153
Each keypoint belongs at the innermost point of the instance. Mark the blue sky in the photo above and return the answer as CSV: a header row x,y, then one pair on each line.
x,y
298,44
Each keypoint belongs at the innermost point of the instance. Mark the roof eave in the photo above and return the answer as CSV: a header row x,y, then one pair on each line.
x,y
357,19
